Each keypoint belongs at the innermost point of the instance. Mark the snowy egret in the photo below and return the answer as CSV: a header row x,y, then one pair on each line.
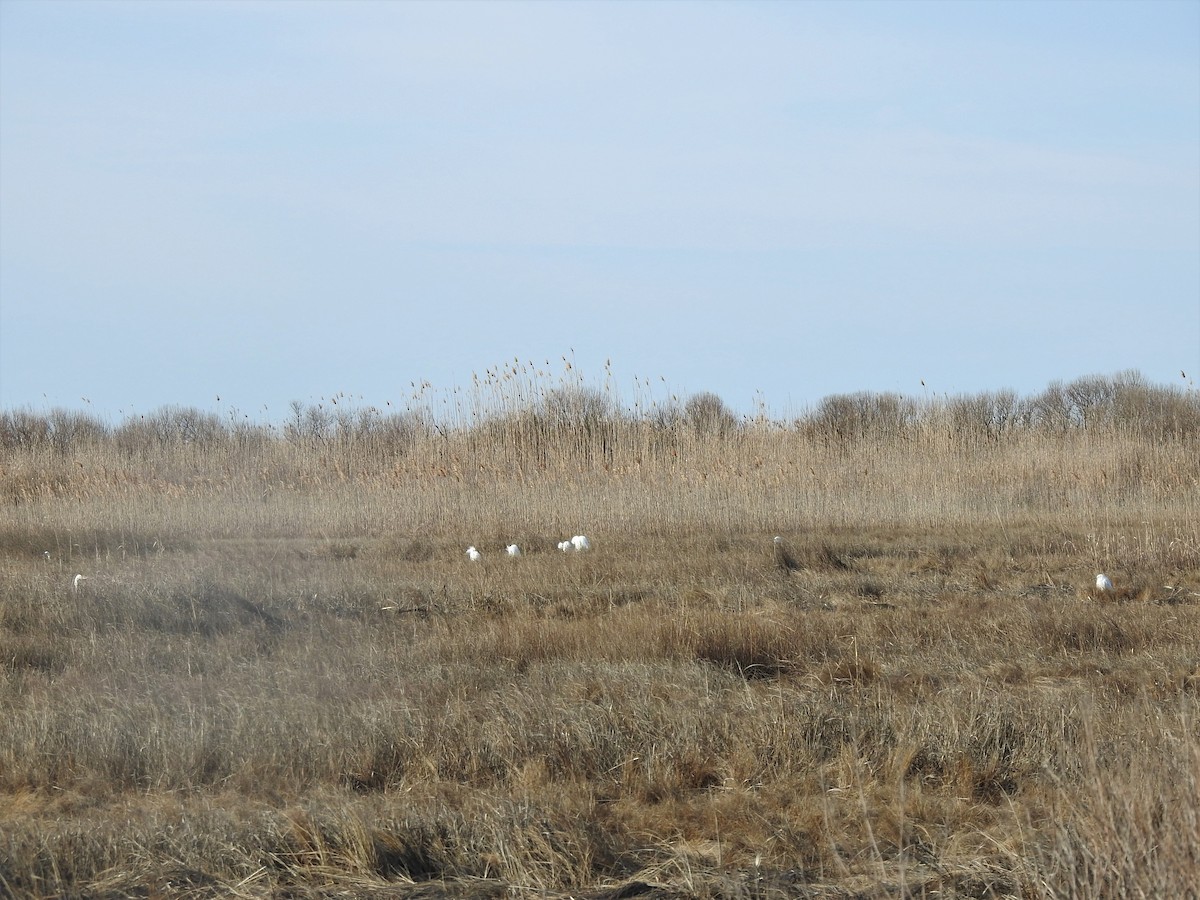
x,y
1104,584
512,550
566,546
75,582
581,543
474,555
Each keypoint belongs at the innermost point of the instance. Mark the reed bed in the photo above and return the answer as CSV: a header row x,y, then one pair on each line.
x,y
281,675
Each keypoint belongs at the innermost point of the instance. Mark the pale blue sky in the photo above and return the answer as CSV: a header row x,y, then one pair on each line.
x,y
284,200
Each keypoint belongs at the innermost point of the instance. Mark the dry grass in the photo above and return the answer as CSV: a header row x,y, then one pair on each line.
x,y
283,678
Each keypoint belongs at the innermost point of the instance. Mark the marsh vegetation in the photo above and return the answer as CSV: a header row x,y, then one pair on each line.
x,y
283,677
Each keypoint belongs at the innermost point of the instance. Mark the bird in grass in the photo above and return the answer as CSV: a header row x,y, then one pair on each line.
x,y
474,555
77,581
1104,584
512,550
783,556
581,543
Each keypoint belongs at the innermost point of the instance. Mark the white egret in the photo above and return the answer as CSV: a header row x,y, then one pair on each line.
x,y
474,555
1104,584
512,550
581,543
75,582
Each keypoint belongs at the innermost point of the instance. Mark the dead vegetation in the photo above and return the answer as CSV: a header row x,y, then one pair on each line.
x,y
282,677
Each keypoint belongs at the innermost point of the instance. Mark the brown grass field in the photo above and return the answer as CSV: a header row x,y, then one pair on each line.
x,y
281,676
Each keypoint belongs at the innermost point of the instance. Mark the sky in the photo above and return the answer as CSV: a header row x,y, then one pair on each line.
x,y
236,205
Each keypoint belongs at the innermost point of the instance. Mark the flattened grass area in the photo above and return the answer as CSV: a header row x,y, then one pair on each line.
x,y
282,677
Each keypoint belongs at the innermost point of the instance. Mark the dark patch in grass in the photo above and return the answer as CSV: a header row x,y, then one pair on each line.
x,y
88,543
743,658
415,855
869,590
416,552
814,557
31,654
927,764
993,785
208,608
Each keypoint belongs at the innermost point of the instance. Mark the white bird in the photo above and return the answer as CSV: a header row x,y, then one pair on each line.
x,y
566,546
1104,584
75,582
581,543
512,550
474,555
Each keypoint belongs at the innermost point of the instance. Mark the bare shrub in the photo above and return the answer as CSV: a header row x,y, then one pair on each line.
x,y
857,417
707,414
170,427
